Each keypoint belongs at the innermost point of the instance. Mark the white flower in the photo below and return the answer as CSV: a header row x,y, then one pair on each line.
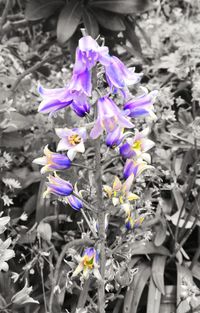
x,y
5,254
3,221
7,201
24,217
22,296
11,183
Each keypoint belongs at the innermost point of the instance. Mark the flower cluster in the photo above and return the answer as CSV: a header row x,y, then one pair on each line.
x,y
110,119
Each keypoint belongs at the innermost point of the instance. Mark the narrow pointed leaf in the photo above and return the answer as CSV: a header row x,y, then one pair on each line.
x,y
154,297
161,232
109,20
90,23
68,20
131,289
158,268
143,279
147,248
38,9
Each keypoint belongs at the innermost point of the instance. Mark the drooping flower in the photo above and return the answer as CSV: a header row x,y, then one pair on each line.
x,y
5,254
142,105
53,161
73,201
131,222
22,297
118,75
114,138
120,193
135,167
58,186
59,98
137,146
88,264
72,140
109,117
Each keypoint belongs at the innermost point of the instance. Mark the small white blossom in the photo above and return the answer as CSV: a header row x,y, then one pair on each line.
x,y
7,201
24,217
11,183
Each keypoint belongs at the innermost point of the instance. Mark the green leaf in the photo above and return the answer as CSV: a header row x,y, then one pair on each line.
x,y
38,9
90,23
144,248
158,268
109,20
68,20
120,6
154,297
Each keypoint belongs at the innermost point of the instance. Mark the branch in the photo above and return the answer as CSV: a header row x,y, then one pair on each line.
x,y
33,69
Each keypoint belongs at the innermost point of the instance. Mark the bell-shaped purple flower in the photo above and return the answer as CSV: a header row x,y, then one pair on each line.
x,y
118,75
109,117
114,138
142,105
74,202
58,186
135,167
53,161
53,99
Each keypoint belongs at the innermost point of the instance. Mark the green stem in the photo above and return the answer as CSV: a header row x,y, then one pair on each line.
x,y
101,223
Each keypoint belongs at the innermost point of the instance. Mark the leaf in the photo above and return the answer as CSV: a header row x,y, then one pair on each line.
x,y
132,37
178,197
68,20
131,289
90,23
120,6
12,140
161,232
147,248
142,281
38,9
109,20
196,271
158,268
154,297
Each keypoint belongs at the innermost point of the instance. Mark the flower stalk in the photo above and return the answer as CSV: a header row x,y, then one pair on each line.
x,y
101,223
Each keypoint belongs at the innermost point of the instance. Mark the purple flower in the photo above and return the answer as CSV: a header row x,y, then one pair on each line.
x,y
135,167
74,202
82,82
142,105
53,99
118,75
114,138
52,161
58,186
88,54
59,98
109,117
137,146
132,223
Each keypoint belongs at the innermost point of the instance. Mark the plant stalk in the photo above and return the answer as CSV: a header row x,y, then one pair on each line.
x,y
101,223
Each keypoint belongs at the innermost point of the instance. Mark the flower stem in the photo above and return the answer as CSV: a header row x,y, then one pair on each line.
x,y
101,223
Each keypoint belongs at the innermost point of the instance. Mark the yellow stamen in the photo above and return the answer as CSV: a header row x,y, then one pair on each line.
x,y
74,139
137,145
